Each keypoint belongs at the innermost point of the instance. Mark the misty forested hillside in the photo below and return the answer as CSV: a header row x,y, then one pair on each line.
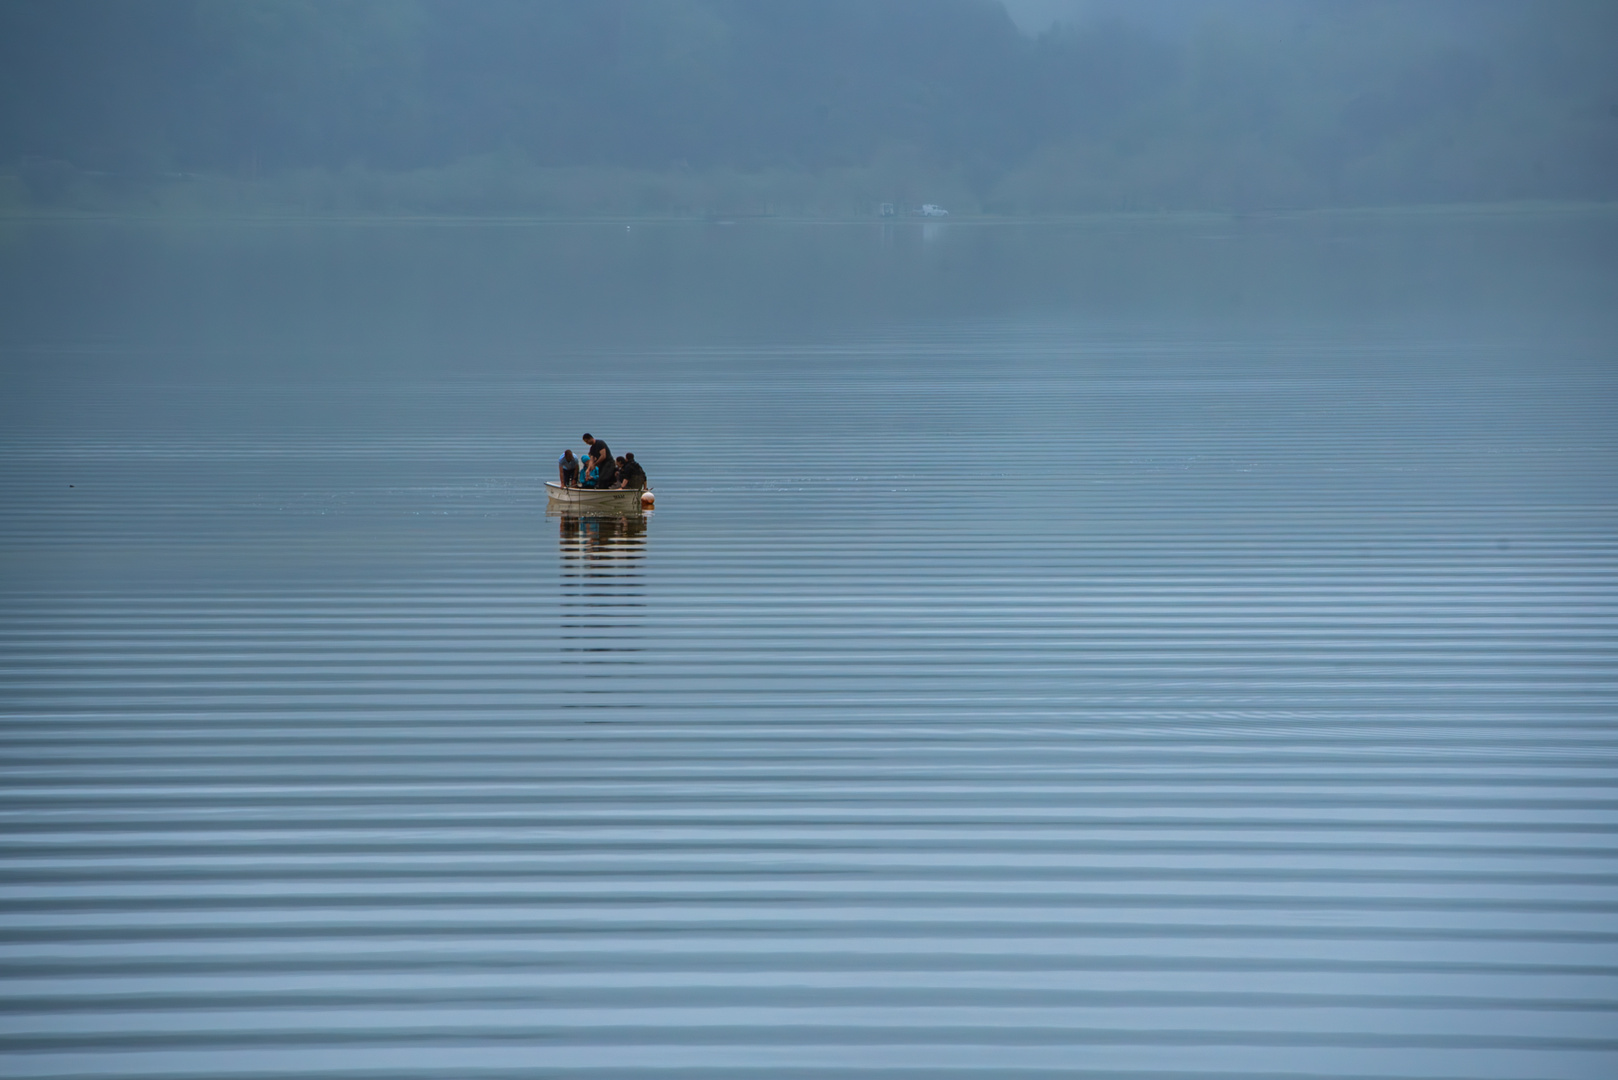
x,y
690,106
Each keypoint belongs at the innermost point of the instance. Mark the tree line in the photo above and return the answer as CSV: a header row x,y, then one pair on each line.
x,y
727,105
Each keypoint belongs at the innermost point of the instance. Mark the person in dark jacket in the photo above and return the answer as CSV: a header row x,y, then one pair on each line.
x,y
630,474
606,469
597,446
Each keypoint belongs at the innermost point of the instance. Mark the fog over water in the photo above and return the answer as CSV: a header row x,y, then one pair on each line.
x,y
1156,619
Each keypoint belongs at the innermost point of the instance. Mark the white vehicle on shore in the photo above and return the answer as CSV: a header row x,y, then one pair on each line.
x,y
932,210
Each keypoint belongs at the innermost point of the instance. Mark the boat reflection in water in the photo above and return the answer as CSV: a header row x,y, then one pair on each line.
x,y
603,597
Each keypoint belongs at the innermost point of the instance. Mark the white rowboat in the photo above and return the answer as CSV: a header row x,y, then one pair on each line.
x,y
619,500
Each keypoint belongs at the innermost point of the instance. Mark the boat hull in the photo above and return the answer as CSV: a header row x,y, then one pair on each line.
x,y
605,500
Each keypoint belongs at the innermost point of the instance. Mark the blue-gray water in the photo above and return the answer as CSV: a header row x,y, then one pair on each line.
x,y
1126,650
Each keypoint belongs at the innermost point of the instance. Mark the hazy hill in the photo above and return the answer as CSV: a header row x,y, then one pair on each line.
x,y
691,105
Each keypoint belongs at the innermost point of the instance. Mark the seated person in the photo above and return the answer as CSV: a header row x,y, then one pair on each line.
x,y
567,469
630,474
588,474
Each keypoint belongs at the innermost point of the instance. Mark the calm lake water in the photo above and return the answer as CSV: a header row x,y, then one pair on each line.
x,y
1129,649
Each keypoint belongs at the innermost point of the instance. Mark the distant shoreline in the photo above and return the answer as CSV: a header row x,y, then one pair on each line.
x,y
1524,208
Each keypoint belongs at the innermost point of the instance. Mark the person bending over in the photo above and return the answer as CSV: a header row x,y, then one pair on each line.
x,y
567,469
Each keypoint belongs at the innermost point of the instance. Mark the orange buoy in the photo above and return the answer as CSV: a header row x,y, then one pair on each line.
x,y
646,500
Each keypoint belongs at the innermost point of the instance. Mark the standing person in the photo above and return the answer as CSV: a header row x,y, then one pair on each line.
x,y
597,446
567,469
606,468
631,475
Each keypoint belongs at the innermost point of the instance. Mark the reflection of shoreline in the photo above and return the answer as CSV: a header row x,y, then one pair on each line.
x,y
603,596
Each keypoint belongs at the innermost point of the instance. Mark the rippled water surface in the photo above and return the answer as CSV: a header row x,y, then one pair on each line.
x,y
1120,650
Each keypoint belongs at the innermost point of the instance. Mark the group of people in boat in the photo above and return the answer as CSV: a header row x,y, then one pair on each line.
x,y
597,468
